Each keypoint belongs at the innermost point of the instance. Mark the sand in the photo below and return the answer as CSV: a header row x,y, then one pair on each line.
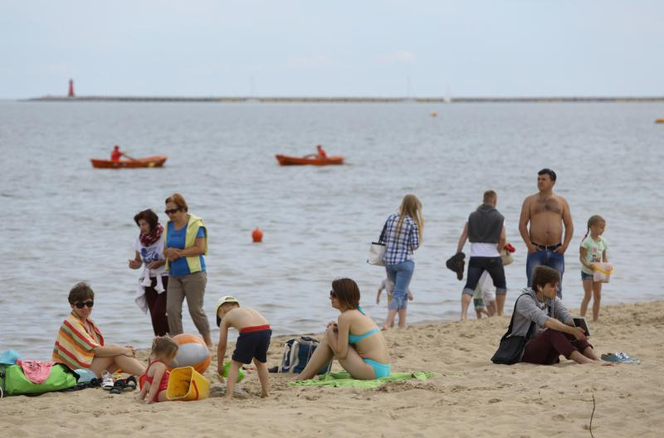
x,y
468,397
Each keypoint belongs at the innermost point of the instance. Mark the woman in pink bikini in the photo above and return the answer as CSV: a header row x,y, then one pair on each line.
x,y
164,350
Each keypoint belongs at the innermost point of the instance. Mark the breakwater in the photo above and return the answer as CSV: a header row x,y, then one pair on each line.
x,y
222,99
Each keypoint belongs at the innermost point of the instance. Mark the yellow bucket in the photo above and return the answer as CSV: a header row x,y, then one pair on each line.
x,y
187,384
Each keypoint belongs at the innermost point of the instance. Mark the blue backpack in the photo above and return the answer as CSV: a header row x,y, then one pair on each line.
x,y
297,352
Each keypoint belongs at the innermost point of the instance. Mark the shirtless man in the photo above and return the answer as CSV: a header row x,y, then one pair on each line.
x,y
547,213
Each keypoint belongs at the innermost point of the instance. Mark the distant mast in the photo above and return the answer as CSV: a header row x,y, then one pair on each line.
x,y
71,89
448,96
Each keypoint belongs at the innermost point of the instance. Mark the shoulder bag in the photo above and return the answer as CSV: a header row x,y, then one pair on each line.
x,y
377,250
511,347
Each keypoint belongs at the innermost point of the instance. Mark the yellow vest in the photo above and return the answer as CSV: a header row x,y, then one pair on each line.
x,y
194,224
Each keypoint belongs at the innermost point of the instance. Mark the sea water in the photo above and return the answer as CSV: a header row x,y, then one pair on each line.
x,y
65,222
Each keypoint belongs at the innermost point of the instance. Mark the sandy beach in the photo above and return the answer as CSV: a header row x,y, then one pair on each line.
x,y
468,397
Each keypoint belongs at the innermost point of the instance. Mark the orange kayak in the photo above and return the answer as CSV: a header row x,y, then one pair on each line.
x,y
285,160
156,161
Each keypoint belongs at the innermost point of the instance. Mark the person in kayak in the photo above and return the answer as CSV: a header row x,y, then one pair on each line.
x,y
116,154
320,153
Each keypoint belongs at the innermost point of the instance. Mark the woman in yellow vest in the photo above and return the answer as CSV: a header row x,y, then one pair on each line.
x,y
185,245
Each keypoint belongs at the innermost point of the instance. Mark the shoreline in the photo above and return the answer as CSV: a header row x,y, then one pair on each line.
x,y
468,396
323,99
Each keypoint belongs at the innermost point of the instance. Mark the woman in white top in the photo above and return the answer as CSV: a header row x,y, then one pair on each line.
x,y
151,293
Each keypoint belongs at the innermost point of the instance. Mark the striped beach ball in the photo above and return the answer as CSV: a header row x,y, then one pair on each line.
x,y
192,353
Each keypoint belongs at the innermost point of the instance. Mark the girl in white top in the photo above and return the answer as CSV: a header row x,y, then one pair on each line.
x,y
592,251
149,248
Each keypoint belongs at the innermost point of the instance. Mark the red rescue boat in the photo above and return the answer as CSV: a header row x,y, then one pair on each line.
x,y
285,160
156,161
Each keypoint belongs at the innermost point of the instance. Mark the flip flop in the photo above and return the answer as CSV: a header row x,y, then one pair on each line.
x,y
620,358
106,380
130,383
118,387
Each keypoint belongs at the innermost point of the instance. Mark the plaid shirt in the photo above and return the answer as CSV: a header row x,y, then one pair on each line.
x,y
399,248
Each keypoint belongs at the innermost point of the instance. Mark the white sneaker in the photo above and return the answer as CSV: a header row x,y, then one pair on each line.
x,y
106,380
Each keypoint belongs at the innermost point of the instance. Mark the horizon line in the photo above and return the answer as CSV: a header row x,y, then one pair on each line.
x,y
343,99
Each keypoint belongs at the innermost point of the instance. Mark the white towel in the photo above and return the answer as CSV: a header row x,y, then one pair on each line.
x,y
146,281
140,299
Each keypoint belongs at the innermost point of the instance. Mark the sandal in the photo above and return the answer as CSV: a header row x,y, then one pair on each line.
x,y
130,383
118,387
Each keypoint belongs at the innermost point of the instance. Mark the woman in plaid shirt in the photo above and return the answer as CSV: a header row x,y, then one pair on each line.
x,y
401,236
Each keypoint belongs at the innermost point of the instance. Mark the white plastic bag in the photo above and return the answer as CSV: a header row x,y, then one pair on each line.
x,y
376,254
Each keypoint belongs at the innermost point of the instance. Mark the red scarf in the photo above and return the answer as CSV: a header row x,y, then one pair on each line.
x,y
152,237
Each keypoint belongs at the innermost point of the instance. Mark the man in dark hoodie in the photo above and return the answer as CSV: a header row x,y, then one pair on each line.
x,y
486,231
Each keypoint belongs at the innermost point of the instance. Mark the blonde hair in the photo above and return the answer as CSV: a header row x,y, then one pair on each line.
x,y
411,206
178,200
163,347
594,220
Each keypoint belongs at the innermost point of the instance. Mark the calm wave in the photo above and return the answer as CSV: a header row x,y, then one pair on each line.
x,y
64,222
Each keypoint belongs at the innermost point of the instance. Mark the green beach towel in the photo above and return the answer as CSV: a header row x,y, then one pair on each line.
x,y
343,380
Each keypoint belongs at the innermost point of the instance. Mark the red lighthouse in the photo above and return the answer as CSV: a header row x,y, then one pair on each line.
x,y
71,88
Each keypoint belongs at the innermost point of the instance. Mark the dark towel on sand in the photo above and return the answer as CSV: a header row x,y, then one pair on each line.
x,y
457,263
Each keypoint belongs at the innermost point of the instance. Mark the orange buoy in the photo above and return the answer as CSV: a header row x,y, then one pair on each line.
x,y
434,114
257,235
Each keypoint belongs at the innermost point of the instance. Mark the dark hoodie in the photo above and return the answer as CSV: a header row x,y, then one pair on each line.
x,y
485,224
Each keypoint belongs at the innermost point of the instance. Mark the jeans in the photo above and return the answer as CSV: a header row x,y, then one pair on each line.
x,y
493,265
400,275
547,258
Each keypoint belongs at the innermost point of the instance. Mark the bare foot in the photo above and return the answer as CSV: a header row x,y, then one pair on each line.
x,y
265,394
384,327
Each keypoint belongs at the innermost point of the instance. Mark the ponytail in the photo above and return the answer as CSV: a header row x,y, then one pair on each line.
x,y
594,219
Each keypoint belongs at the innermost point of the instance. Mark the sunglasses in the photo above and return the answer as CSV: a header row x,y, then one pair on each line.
x,y
172,211
82,304
333,294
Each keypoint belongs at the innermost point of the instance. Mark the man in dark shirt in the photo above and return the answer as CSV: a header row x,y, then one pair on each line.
x,y
486,231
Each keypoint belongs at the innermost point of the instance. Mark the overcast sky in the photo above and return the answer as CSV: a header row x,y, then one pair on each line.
x,y
332,48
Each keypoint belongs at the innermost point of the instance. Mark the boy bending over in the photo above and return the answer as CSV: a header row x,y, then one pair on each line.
x,y
253,342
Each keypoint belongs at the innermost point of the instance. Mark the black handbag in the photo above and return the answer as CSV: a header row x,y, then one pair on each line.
x,y
511,347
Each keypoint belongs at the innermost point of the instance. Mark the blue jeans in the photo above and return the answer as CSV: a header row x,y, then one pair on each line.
x,y
547,258
400,275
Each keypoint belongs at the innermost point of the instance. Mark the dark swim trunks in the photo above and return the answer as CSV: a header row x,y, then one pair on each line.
x,y
253,342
